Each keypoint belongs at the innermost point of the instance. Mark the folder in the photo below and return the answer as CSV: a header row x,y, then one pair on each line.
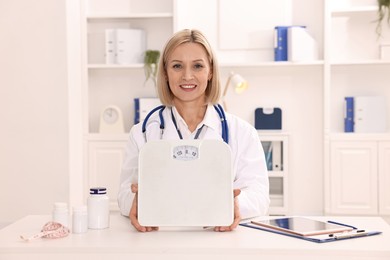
x,y
300,45
142,106
348,115
277,157
370,114
131,45
110,46
280,43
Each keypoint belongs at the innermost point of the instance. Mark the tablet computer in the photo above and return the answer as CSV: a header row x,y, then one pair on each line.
x,y
302,226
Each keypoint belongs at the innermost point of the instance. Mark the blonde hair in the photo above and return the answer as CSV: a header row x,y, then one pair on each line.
x,y
213,90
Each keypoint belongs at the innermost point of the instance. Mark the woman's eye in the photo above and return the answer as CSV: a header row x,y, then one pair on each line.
x,y
176,66
198,66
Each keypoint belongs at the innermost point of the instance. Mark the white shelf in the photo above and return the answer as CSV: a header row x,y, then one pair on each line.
x,y
273,64
276,174
353,10
107,137
129,16
360,136
361,62
115,66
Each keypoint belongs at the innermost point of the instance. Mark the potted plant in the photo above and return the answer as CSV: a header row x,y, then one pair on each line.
x,y
383,10
151,64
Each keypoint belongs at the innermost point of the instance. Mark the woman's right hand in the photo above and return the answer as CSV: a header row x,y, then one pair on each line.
x,y
133,215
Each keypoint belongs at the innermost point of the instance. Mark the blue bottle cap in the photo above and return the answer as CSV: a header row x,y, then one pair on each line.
x,y
98,190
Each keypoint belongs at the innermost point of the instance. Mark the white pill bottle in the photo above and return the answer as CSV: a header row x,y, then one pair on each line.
x,y
98,208
61,213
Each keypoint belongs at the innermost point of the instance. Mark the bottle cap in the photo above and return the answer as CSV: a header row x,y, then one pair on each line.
x,y
98,190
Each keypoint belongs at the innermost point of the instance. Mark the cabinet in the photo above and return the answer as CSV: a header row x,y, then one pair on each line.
x,y
359,175
355,163
104,166
276,154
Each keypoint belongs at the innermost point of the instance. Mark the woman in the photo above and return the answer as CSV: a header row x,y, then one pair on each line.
x,y
188,85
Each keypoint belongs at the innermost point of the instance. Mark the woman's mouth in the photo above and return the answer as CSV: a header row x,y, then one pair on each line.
x,y
191,86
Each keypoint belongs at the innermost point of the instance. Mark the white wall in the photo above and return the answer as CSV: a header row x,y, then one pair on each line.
x,y
33,107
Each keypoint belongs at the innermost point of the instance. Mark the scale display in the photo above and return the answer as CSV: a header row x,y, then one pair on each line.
x,y
185,152
185,183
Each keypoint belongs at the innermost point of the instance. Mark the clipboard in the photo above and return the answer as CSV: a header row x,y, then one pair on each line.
x,y
322,238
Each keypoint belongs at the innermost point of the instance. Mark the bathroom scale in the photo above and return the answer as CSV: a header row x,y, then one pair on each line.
x,y
185,183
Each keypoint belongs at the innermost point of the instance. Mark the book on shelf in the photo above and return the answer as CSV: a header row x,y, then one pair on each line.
x,y
142,106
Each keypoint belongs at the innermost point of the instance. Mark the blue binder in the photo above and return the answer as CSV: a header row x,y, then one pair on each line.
x,y
281,42
280,48
268,118
349,115
136,111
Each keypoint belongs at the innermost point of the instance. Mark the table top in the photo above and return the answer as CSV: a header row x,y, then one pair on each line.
x,y
122,239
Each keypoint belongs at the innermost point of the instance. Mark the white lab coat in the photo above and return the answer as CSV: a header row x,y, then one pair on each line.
x,y
249,166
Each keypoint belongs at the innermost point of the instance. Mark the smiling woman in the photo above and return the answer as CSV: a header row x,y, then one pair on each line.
x,y
189,88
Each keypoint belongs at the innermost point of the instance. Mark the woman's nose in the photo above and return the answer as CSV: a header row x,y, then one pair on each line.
x,y
187,74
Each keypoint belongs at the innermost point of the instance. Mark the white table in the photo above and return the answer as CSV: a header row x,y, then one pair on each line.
x,y
121,241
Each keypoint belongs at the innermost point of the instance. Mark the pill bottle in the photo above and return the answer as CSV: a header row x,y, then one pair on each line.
x,y
80,220
61,213
98,208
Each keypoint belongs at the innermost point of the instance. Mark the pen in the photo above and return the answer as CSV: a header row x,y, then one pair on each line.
x,y
350,234
345,233
341,224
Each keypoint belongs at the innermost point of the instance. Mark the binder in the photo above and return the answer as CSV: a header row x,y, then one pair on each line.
x,y
348,115
280,43
300,45
131,45
277,157
370,114
110,46
268,118
142,106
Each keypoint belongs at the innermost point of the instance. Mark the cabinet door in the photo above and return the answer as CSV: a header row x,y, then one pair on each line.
x,y
353,178
384,178
104,167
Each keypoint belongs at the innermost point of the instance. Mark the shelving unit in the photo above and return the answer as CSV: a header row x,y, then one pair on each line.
x,y
353,68
106,84
311,95
278,178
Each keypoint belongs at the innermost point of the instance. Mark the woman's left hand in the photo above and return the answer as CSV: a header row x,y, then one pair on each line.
x,y
237,216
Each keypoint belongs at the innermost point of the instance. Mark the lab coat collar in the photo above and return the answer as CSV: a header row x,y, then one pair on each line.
x,y
211,118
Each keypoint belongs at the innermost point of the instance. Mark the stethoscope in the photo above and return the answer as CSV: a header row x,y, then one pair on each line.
x,y
160,109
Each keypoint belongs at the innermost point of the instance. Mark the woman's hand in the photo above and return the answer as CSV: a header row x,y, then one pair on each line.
x,y
133,215
237,216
